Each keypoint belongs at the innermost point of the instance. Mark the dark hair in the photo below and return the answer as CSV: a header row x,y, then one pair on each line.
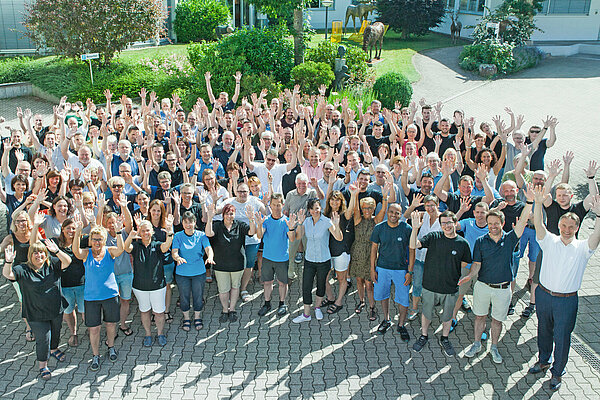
x,y
493,153
227,208
377,123
19,178
431,197
311,203
426,175
189,216
448,214
336,194
497,214
76,182
56,200
62,240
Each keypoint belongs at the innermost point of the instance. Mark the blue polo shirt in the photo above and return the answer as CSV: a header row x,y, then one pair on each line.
x,y
275,239
495,257
117,161
203,166
393,245
191,248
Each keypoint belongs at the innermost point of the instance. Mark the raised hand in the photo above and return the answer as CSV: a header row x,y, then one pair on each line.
x,y
417,200
169,223
51,246
138,220
595,205
481,172
539,194
292,221
301,216
335,218
530,195
259,217
554,168
457,143
39,218
415,220
568,158
9,254
249,211
465,203
591,170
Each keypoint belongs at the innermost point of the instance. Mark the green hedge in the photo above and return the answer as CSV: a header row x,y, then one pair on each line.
x,y
392,87
311,75
196,20
356,59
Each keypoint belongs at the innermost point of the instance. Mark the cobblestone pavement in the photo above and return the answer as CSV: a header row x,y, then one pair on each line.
x,y
341,356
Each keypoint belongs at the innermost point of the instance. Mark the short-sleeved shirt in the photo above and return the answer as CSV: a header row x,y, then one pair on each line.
x,y
511,213
563,265
228,245
443,261
374,194
393,245
295,202
317,239
41,290
472,231
278,171
336,247
554,211
495,257
191,248
100,281
148,271
240,213
276,242
453,203
196,209
537,158
74,274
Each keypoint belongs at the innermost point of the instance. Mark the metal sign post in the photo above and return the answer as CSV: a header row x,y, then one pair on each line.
x,y
89,57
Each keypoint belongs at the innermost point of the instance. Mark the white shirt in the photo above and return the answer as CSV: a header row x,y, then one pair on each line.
x,y
278,171
74,163
240,213
563,265
426,228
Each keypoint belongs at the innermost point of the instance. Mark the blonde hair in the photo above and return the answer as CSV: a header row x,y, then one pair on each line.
x,y
99,230
13,224
367,201
35,247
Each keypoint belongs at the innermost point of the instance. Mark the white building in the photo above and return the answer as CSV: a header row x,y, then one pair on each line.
x,y
560,20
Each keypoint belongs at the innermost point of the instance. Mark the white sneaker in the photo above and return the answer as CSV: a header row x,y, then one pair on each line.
x,y
318,313
473,350
496,357
301,318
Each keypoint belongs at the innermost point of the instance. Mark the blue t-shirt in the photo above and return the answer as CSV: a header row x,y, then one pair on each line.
x,y
472,231
275,239
192,249
393,245
100,281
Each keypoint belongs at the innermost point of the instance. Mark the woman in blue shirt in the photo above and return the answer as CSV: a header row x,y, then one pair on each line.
x,y
317,258
189,246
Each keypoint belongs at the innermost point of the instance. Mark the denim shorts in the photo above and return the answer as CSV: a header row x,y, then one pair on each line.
x,y
125,282
169,270
251,253
383,286
534,248
417,281
74,296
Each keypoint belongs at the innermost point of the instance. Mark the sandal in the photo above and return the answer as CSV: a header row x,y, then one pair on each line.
x,y
74,341
198,324
334,308
359,307
29,336
59,355
245,295
186,325
45,373
372,314
326,303
127,331
168,317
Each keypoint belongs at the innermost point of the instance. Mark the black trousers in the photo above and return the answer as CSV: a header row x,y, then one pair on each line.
x,y
311,269
47,336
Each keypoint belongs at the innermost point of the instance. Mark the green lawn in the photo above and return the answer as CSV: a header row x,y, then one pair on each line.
x,y
397,53
132,56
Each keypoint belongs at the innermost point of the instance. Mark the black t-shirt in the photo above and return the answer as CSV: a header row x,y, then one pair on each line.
x,y
74,274
336,248
411,194
288,181
375,195
21,250
554,212
374,143
447,143
453,203
511,213
537,158
195,209
41,290
228,246
12,156
160,235
443,262
147,262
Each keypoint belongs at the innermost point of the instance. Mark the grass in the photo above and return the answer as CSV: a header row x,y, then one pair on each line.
x,y
397,53
133,56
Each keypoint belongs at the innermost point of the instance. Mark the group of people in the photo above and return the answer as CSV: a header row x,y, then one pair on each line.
x,y
114,200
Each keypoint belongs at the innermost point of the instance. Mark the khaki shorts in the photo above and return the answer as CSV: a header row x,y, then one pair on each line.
x,y
228,280
431,299
485,296
465,287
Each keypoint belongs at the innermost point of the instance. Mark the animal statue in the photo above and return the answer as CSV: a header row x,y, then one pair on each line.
x,y
223,30
504,26
455,28
373,37
360,11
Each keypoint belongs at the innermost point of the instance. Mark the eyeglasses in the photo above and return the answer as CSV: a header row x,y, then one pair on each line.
x,y
117,186
88,203
172,160
380,172
271,160
21,221
96,240
534,131
242,191
447,223
327,169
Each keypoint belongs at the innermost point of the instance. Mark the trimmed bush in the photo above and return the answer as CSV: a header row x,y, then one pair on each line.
x,y
392,87
310,75
488,52
356,59
196,20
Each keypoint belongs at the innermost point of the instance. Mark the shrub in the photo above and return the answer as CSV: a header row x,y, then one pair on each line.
x,y
15,69
354,95
106,26
392,87
411,16
196,20
310,75
356,59
488,52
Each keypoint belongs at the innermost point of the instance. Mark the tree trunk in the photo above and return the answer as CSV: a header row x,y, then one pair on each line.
x,y
298,36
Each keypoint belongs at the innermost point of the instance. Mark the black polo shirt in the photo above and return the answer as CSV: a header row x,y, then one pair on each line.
x,y
495,257
41,290
375,195
228,246
555,211
443,262
511,213
453,203
147,262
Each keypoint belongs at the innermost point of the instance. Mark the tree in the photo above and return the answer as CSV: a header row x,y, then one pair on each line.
x,y
196,20
92,26
411,16
283,9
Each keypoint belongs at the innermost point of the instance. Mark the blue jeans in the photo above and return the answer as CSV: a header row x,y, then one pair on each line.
x,y
251,253
191,287
417,281
556,321
74,296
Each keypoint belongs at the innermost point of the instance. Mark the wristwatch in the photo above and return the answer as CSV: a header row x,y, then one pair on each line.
x,y
411,273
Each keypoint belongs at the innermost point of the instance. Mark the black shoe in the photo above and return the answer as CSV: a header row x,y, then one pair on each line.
x,y
511,309
95,365
112,354
420,343
447,347
233,316
224,317
555,383
348,287
403,333
528,311
384,326
466,307
264,310
538,368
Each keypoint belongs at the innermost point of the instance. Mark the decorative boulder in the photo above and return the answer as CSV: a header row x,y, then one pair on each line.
x,y
487,70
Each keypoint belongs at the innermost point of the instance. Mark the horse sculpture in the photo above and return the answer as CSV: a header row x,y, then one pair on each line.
x,y
455,28
360,11
372,37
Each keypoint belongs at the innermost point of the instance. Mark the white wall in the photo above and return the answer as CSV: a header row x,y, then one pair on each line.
x,y
336,13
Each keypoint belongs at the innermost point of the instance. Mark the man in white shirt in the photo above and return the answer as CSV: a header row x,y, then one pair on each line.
x,y
270,166
561,273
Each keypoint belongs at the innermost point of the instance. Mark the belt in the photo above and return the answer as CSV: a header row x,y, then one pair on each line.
x,y
551,293
498,285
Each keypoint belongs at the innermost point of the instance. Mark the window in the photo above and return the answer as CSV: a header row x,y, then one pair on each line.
x,y
472,6
581,7
450,4
317,4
